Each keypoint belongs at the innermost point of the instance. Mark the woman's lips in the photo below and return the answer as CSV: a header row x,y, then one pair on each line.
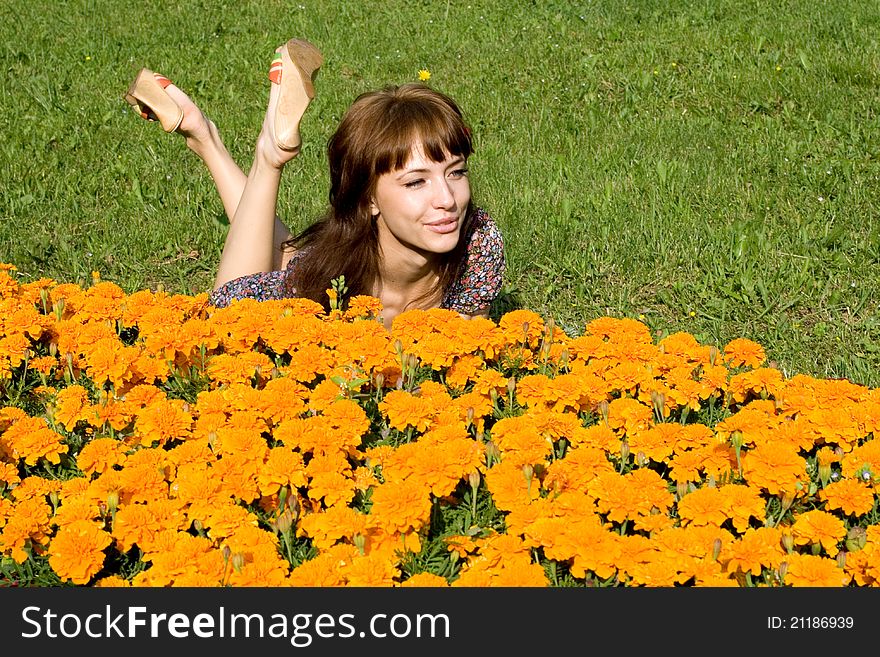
x,y
444,226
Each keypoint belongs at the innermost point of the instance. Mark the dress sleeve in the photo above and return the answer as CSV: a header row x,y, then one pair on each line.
x,y
262,287
480,280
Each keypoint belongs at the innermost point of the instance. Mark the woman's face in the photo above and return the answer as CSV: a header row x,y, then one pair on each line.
x,y
422,206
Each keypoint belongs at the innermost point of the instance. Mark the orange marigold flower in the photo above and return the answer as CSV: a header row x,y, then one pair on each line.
x,y
136,524
656,443
77,507
851,496
362,305
163,421
616,497
742,352
404,409
309,360
763,382
9,474
238,368
814,571
704,506
31,439
76,553
425,580
520,441
71,406
26,526
521,327
755,550
627,416
579,467
743,503
401,507
686,466
775,468
818,526
100,455
283,467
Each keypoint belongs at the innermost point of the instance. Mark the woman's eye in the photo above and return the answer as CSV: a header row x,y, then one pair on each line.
x,y
413,183
459,173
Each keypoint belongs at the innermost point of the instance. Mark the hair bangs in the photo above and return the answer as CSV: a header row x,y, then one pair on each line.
x,y
436,129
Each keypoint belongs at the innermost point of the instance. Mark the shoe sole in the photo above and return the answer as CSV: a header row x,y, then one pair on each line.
x,y
300,62
150,99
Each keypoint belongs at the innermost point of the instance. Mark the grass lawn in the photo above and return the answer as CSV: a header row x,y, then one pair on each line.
x,y
709,167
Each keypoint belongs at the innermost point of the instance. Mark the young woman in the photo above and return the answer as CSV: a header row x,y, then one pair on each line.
x,y
401,225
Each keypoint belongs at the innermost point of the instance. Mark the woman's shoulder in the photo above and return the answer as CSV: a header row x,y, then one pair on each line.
x,y
483,269
483,234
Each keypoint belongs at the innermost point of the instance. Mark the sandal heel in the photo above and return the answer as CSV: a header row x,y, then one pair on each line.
x,y
148,97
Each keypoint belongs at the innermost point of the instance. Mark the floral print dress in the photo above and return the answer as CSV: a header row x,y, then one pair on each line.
x,y
476,287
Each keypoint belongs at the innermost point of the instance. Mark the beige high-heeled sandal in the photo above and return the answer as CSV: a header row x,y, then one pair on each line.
x,y
295,69
148,97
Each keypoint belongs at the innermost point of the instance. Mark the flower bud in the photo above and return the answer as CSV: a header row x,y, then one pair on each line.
x,y
226,552
564,355
528,472
841,559
713,355
474,479
716,549
787,500
624,449
658,401
736,439
238,561
856,539
284,522
113,501
492,452
824,473
360,542
641,459
783,569
681,488
470,416
788,542
603,410
511,386
380,380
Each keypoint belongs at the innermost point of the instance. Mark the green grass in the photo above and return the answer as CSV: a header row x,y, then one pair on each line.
x,y
711,166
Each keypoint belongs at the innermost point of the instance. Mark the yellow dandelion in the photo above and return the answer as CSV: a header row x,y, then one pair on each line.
x,y
424,75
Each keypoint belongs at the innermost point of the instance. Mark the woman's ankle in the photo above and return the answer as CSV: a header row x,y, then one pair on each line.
x,y
205,140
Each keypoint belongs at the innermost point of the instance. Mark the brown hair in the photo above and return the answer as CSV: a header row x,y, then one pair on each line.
x,y
375,136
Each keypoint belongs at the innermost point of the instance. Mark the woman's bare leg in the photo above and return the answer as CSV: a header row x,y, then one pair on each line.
x,y
248,243
203,138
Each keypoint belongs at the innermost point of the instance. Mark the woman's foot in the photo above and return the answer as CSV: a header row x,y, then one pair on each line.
x,y
268,149
198,130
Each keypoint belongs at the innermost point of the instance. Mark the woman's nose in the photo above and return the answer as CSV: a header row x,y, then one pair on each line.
x,y
443,196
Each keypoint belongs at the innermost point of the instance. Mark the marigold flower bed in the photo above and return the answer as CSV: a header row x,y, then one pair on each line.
x,y
152,440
